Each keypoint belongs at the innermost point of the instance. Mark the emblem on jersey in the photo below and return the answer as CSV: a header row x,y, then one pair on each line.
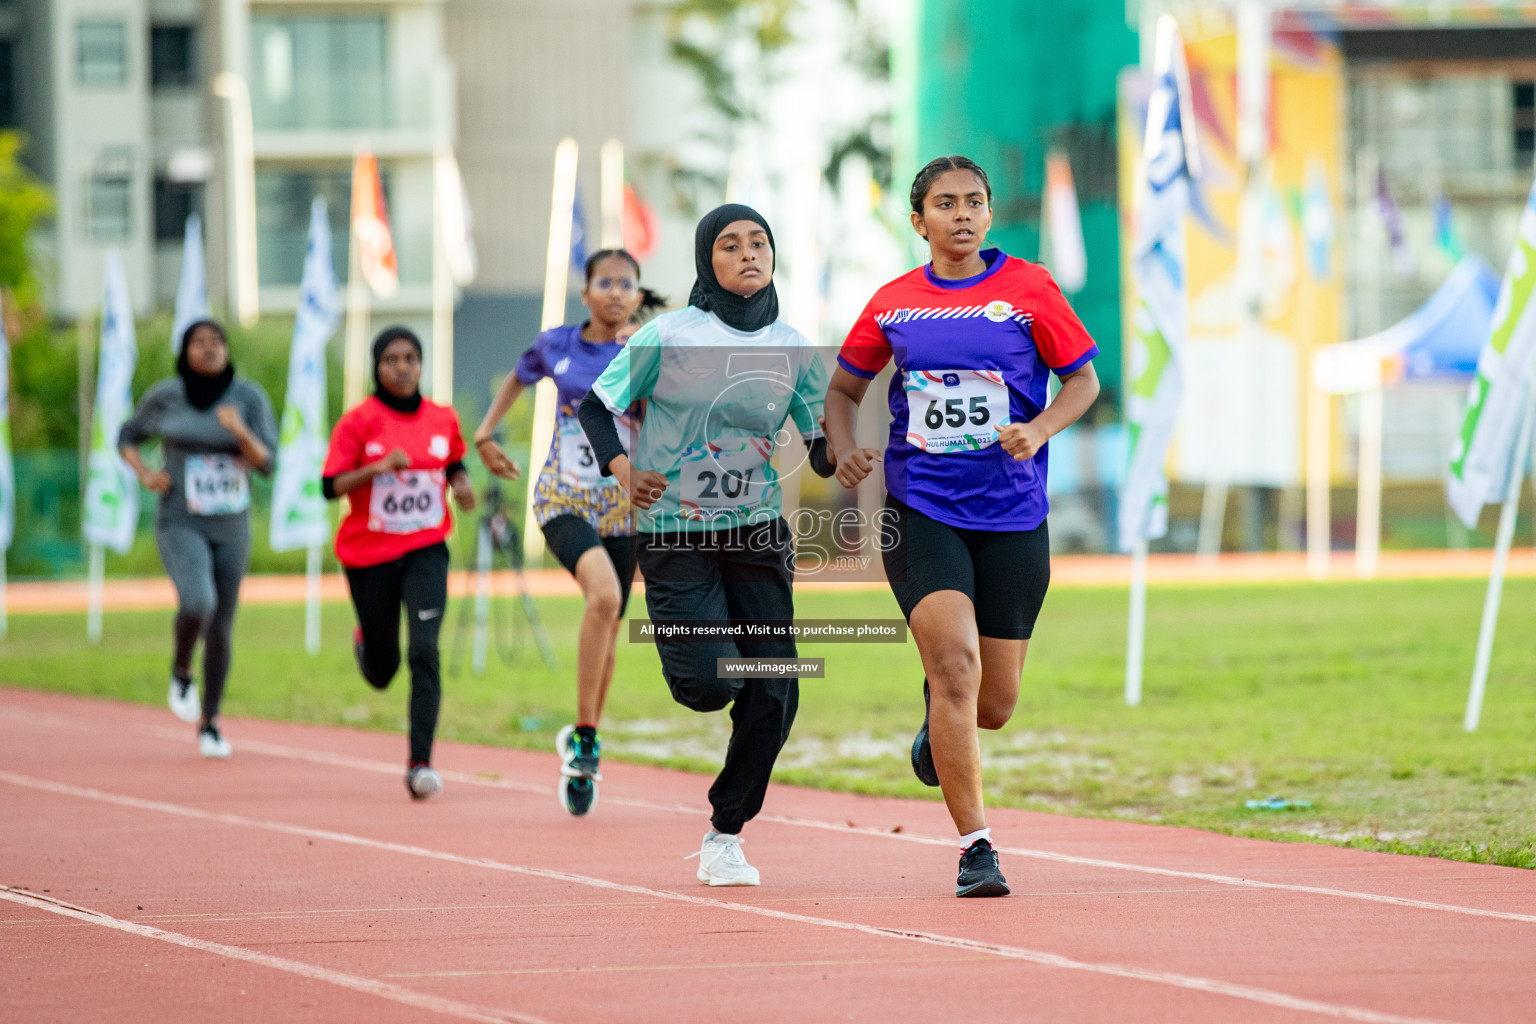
x,y
951,380
438,448
997,310
563,365
373,449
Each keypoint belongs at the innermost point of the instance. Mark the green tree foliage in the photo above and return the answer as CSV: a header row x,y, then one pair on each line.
x,y
24,203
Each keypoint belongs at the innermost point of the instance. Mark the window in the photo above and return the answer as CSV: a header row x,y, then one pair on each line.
x,y
101,53
8,111
172,59
283,198
109,207
1525,123
319,71
174,203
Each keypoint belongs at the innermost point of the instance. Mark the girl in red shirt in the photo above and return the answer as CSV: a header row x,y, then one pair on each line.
x,y
396,456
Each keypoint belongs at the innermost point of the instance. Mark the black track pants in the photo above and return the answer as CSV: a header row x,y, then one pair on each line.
x,y
736,575
419,581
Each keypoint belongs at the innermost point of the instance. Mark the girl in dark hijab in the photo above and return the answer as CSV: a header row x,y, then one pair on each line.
x,y
721,379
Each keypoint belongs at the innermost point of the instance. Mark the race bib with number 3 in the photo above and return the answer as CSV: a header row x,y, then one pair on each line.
x,y
216,485
577,463
406,502
955,410
719,479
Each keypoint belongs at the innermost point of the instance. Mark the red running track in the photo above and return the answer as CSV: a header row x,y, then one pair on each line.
x,y
296,881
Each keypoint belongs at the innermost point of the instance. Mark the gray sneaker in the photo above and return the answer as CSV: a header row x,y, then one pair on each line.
x,y
423,781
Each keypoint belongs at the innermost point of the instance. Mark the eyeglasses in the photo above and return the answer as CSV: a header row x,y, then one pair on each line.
x,y
607,284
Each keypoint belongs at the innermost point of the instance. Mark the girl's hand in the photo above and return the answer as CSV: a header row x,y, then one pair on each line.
x,y
157,480
1022,440
394,461
230,419
644,487
854,464
463,492
495,459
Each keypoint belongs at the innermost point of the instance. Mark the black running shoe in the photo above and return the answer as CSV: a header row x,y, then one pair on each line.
x,y
922,750
979,873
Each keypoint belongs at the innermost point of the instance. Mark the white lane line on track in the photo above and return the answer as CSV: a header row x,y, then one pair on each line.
x,y
470,778
367,986
345,761
1187,982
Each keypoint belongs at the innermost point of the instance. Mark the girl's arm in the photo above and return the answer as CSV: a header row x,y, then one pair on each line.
x,y
157,480
352,479
1078,390
844,393
256,454
491,453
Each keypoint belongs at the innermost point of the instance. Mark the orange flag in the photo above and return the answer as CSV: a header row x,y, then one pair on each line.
x,y
370,228
641,233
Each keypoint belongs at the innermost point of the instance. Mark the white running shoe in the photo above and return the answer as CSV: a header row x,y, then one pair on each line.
x,y
721,861
212,743
423,781
184,701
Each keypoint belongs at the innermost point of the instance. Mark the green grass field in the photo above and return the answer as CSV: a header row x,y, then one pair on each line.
x,y
1346,695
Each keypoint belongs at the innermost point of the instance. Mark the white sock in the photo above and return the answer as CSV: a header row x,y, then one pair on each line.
x,y
970,837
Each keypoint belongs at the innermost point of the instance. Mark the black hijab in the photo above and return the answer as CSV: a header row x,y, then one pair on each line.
x,y
203,391
410,403
750,314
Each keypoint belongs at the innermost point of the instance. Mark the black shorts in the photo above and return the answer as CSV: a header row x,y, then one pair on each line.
x,y
1005,573
569,537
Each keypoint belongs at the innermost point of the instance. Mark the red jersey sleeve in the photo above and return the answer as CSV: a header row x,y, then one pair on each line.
x,y
866,350
1060,337
346,448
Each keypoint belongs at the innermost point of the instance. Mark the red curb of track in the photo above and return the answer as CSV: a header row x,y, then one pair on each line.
x,y
297,881
42,597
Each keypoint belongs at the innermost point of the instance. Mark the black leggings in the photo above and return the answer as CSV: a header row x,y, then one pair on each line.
x,y
737,574
419,580
205,557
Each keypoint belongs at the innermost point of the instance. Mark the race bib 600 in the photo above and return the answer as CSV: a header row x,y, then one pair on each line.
x,y
406,502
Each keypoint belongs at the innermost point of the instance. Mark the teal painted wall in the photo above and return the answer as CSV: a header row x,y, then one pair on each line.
x,y
1004,80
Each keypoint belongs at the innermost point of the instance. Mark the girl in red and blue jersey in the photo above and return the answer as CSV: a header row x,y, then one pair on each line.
x,y
974,335
587,521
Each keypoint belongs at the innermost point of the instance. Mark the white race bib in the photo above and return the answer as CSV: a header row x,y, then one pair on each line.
x,y
714,480
954,410
216,485
577,463
406,502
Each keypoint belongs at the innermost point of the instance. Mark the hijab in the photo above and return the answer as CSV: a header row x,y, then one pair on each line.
x,y
202,390
744,314
410,403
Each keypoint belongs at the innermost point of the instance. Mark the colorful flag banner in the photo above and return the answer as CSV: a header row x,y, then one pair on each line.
x,y
111,514
1496,403
458,224
192,291
370,228
1064,225
1158,266
300,517
641,233
1447,239
1317,221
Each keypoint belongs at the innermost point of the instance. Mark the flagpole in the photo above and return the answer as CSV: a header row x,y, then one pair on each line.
x,y
557,266
1502,541
356,336
1136,629
483,554
1368,515
1318,525
442,289
612,229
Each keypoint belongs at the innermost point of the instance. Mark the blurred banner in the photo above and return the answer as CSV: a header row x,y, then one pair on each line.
x,y
192,291
300,517
641,233
1499,397
1064,226
458,224
1155,374
111,513
370,227
1242,417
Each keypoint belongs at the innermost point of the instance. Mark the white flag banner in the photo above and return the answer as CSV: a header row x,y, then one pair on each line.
x,y
1064,224
1156,379
111,514
7,469
192,292
458,224
300,517
1482,452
